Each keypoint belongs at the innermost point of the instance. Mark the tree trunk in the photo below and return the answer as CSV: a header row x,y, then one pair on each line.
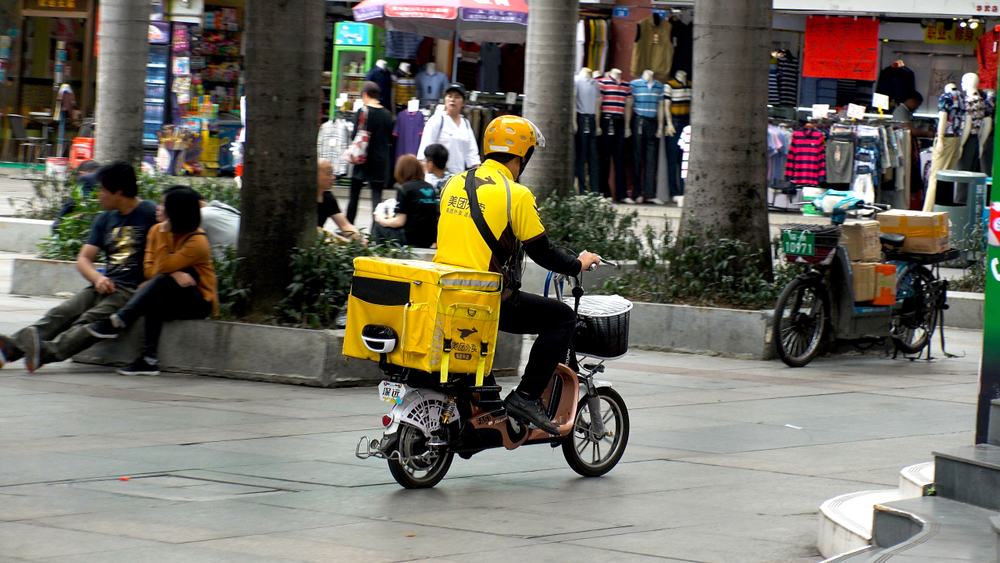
x,y
121,80
284,60
548,91
726,191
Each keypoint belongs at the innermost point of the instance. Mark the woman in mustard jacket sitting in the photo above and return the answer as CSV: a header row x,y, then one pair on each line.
x,y
180,280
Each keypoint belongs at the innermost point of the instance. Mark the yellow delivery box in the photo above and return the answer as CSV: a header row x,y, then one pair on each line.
x,y
926,232
445,318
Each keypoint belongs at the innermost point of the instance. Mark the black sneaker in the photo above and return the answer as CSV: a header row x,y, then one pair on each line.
x,y
104,328
33,349
530,411
6,351
140,366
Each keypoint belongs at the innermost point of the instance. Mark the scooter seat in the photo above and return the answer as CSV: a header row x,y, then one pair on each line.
x,y
892,239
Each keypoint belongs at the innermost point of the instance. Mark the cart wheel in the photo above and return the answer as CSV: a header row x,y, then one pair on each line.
x,y
913,324
801,319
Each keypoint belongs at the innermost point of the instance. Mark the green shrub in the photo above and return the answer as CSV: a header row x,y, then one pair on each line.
x,y
321,281
73,231
228,286
47,199
974,278
717,273
589,222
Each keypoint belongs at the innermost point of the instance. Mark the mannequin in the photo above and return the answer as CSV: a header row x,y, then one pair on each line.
x,y
380,74
587,92
647,129
947,140
404,87
677,111
977,126
430,85
614,117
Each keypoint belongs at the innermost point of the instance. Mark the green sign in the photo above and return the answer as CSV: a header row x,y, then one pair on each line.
x,y
989,367
800,243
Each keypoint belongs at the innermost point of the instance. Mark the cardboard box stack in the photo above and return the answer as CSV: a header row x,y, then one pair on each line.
x,y
860,238
863,274
926,232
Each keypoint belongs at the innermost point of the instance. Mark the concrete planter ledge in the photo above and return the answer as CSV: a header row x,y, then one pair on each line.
x,y
22,235
675,328
262,353
701,330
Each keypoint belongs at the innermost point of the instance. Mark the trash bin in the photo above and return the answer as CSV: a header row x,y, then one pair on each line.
x,y
963,195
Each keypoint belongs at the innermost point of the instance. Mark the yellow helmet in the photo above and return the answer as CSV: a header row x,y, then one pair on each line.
x,y
512,135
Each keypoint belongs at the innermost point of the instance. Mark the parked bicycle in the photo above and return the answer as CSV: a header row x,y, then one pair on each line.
x,y
818,307
431,421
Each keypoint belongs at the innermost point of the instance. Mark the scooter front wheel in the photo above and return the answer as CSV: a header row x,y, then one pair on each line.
x,y
591,455
413,464
801,317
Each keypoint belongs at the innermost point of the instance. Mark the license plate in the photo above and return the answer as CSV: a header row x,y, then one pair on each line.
x,y
801,243
391,392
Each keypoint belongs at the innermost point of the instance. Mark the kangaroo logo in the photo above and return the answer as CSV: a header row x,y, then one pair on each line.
x,y
465,333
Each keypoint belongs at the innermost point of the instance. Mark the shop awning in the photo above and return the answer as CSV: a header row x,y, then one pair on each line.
x,y
499,21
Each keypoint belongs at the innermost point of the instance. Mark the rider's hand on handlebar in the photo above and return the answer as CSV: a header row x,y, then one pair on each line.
x,y
588,259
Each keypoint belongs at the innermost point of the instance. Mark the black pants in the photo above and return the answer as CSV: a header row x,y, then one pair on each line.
x,y
674,157
611,146
161,299
587,163
553,322
352,206
646,148
383,234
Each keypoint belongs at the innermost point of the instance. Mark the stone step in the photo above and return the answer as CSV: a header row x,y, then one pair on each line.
x,y
969,474
915,480
861,555
933,529
845,522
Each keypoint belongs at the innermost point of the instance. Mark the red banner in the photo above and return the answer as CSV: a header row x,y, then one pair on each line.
x,y
841,48
431,12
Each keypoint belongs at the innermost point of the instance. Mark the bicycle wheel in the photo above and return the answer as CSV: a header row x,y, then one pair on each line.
x,y
913,323
590,455
801,318
413,464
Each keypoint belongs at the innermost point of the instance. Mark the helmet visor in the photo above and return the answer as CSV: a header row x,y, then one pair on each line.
x,y
539,138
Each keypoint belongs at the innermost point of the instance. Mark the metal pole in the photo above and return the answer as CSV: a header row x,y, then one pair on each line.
x,y
455,51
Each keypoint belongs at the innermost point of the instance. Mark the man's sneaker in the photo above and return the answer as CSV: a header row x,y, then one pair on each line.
x,y
530,411
656,201
640,200
104,328
142,366
5,351
32,349
629,201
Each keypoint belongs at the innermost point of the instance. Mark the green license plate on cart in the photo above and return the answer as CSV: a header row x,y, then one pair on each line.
x,y
801,243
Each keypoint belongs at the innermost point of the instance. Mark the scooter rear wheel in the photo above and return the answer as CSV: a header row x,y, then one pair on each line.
x,y
417,473
593,456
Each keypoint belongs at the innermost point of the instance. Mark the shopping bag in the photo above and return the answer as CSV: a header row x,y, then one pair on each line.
x,y
357,151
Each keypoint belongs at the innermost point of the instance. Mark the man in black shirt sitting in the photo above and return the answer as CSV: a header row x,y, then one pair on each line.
x,y
120,233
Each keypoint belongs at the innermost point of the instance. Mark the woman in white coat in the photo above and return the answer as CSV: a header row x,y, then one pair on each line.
x,y
454,131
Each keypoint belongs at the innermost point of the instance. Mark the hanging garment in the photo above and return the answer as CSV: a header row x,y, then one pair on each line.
x,y
685,144
839,161
489,67
986,54
896,82
408,129
807,158
332,141
404,86
653,49
683,40
864,187
772,84
402,45
788,80
605,44
581,44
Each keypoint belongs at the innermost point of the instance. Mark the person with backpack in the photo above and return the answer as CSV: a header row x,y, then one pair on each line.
x,y
454,131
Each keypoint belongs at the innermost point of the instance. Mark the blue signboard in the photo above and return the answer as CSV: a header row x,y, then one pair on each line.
x,y
621,12
661,13
353,33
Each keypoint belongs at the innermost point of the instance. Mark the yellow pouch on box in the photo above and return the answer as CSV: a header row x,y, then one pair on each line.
x,y
446,317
